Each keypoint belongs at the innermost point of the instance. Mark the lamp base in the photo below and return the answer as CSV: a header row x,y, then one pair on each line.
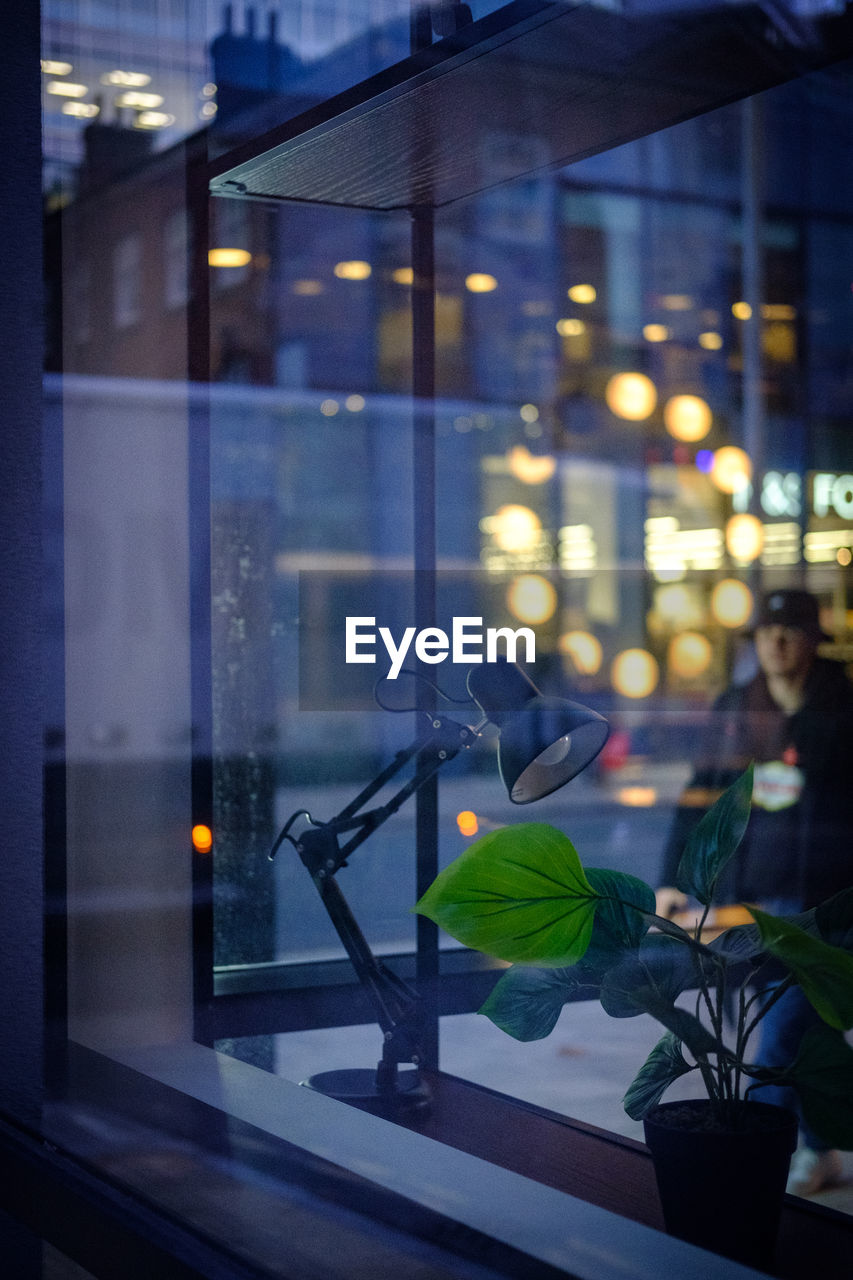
x,y
410,1098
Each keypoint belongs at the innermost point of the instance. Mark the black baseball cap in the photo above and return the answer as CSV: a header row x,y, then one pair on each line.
x,y
789,607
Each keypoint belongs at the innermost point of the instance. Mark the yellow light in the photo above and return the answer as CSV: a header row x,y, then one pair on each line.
x,y
515,528
687,418
355,404
656,332
140,101
583,293
531,598
66,89
637,797
51,67
480,282
689,654
130,79
778,311
82,110
208,111
584,649
528,467
744,537
741,311
467,823
570,327
403,275
208,90
529,413
329,408
228,257
355,269
844,556
631,395
711,341
153,120
307,288
731,469
634,673
675,603
731,602
676,302
202,838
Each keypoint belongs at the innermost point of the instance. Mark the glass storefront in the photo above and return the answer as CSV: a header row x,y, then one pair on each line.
x,y
344,322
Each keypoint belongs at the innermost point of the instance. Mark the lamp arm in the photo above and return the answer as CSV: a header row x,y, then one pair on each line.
x,y
396,1004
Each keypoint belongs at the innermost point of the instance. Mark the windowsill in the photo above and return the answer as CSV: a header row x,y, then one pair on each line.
x,y
254,1131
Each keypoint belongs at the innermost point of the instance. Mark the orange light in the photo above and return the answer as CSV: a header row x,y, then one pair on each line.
x,y
467,823
202,838
687,418
689,654
744,537
731,602
631,395
530,468
531,598
731,469
637,797
634,673
584,650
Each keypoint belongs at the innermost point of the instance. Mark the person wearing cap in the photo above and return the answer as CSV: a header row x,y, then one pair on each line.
x,y
794,720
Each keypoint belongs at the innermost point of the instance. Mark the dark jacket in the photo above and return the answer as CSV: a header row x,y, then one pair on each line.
x,y
803,851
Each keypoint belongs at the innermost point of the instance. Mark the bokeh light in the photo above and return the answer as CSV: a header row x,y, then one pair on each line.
x,y
353,270
480,282
689,654
467,822
731,602
631,395
744,537
584,649
731,470
530,468
202,838
687,418
634,673
514,527
531,598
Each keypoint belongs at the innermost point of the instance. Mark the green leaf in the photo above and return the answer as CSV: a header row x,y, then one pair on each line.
x,y
822,1074
649,982
622,915
834,920
527,1001
664,1064
824,972
519,893
740,943
714,841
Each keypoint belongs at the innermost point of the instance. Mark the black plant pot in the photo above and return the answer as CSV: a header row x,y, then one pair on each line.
x,y
722,1188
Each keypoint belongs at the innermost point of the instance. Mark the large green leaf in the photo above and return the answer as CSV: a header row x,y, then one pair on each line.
x,y
822,1074
527,1001
664,1064
714,841
622,914
834,920
519,893
824,972
649,981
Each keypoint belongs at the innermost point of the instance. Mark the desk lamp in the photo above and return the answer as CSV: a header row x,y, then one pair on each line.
x,y
544,742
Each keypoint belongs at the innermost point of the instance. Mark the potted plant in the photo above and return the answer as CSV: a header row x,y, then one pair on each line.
x,y
521,894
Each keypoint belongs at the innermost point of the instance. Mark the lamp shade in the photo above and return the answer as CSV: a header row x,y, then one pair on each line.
x,y
544,741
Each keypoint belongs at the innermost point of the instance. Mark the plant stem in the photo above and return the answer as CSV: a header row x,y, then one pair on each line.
x,y
778,992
